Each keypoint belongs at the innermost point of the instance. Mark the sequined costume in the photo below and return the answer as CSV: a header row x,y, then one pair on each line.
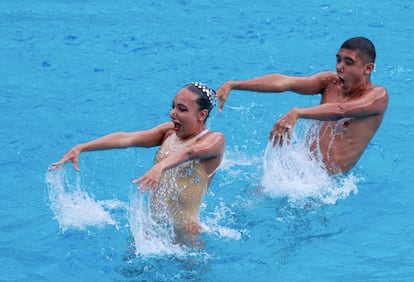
x,y
181,189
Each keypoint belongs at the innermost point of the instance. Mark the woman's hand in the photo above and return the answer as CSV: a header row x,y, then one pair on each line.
x,y
150,179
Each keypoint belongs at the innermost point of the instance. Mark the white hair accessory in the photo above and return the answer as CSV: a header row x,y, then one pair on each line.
x,y
211,94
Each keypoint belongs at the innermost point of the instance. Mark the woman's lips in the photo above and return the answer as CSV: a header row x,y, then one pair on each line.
x,y
177,126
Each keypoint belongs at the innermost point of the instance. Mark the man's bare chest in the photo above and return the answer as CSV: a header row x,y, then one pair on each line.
x,y
335,94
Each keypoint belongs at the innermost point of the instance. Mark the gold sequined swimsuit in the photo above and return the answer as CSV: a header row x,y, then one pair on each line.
x,y
181,189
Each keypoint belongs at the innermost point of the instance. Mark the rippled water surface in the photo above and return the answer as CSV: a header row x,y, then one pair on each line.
x,y
74,70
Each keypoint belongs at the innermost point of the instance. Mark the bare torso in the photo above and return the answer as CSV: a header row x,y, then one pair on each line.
x,y
342,142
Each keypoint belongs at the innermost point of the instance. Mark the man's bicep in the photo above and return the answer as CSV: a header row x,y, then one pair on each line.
x,y
374,103
308,84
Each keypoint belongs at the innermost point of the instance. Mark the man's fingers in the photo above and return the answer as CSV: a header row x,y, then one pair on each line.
x,y
59,163
280,134
273,134
76,167
62,161
56,165
220,108
276,139
53,167
280,139
289,136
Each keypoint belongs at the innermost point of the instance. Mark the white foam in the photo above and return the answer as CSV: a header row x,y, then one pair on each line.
x,y
150,238
212,223
74,208
222,231
293,171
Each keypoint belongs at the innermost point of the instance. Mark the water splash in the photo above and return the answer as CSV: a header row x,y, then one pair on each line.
x,y
74,208
293,171
214,223
150,238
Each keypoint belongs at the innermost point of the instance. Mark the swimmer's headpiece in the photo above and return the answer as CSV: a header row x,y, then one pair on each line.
x,y
207,96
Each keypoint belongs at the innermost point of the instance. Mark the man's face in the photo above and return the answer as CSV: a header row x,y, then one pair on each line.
x,y
351,69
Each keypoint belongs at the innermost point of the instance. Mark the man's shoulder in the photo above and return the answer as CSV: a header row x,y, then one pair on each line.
x,y
379,97
327,78
326,74
380,91
381,88
382,95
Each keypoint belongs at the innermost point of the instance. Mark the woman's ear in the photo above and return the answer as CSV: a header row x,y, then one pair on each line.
x,y
203,115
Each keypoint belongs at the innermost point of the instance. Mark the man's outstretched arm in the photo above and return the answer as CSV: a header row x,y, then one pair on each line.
x,y
276,83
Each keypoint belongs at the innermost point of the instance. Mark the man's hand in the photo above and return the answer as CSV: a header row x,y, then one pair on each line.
x,y
222,93
72,155
282,129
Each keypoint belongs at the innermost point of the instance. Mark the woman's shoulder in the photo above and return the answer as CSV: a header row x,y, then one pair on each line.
x,y
215,137
216,134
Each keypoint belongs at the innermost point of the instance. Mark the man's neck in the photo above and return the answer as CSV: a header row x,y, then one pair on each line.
x,y
360,88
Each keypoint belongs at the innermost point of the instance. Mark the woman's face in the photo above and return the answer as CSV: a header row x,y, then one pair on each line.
x,y
188,120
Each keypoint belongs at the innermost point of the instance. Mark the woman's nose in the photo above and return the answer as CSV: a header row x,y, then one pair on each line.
x,y
173,114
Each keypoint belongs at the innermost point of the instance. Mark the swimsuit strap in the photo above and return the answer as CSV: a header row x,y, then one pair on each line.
x,y
175,147
201,134
211,174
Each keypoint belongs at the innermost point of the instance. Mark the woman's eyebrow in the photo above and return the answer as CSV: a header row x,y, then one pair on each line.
x,y
181,105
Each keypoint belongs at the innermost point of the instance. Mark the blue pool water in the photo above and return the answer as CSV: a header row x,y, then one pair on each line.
x,y
71,71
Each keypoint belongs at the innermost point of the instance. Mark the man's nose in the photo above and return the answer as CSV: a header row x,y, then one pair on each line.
x,y
339,67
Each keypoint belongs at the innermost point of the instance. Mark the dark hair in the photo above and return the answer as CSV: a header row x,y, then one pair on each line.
x,y
364,47
206,96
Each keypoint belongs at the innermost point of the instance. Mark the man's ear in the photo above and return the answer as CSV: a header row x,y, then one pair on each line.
x,y
369,67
